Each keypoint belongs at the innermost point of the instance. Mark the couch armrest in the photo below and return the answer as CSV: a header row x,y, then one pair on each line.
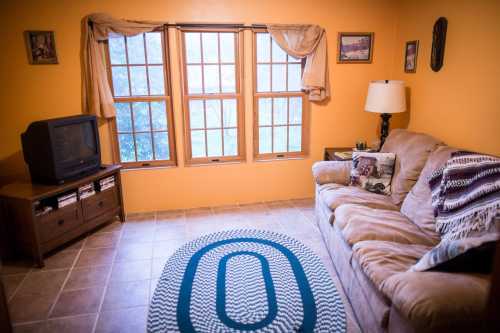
x,y
338,172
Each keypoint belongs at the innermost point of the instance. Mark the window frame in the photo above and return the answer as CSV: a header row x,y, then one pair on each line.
x,y
167,98
305,125
237,95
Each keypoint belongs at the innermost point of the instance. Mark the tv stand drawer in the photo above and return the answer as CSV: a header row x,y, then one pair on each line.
x,y
100,203
59,221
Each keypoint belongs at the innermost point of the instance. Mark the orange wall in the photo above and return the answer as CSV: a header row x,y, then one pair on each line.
x,y
460,104
28,93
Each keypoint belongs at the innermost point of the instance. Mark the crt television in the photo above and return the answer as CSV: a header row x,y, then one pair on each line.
x,y
62,149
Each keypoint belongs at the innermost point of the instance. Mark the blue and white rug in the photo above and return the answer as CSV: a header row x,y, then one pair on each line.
x,y
245,281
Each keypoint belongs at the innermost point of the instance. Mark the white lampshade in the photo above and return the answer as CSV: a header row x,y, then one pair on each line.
x,y
386,96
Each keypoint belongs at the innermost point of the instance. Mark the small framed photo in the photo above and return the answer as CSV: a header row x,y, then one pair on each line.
x,y
411,53
355,47
41,47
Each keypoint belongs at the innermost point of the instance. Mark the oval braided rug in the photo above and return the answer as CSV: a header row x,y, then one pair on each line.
x,y
245,281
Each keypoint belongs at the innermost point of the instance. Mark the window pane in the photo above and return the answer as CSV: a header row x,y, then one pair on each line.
x,y
161,146
228,78
279,139
214,142
293,59
278,54
135,48
295,109
120,81
280,111
294,138
156,80
141,116
210,47
193,50
263,78
144,147
211,76
153,48
138,80
127,151
230,142
227,47
265,111
123,117
294,77
196,114
213,113
159,116
198,143
194,79
117,51
279,77
263,47
265,140
230,113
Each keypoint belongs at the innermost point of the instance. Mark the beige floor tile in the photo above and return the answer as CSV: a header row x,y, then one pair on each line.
x,y
131,271
77,302
96,257
134,251
43,282
30,307
126,294
132,320
87,277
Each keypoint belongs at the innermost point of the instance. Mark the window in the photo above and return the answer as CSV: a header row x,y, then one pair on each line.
x,y
143,129
211,92
280,119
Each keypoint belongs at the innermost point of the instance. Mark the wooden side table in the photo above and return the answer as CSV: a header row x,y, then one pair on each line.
x,y
330,153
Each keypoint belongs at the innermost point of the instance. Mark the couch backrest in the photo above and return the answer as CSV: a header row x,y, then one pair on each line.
x,y
417,204
412,150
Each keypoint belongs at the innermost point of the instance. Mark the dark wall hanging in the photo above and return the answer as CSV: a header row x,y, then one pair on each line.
x,y
438,42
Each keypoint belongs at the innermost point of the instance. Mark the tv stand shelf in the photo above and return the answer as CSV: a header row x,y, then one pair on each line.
x,y
37,234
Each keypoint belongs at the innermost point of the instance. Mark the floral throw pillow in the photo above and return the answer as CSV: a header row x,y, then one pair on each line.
x,y
373,171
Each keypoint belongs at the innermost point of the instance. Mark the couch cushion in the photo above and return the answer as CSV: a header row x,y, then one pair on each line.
x,y
381,259
433,300
412,150
359,223
334,195
417,204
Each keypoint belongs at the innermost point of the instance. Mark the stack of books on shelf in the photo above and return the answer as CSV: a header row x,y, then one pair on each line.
x,y
86,191
106,183
66,199
345,155
41,209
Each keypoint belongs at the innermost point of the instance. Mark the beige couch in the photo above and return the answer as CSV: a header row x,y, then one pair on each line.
x,y
374,239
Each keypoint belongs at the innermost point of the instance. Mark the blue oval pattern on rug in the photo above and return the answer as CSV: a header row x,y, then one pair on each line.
x,y
245,281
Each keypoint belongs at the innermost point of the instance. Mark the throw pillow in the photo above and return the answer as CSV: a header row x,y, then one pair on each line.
x,y
466,202
373,171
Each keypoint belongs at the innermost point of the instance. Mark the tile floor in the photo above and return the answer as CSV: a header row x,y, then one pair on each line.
x,y
103,282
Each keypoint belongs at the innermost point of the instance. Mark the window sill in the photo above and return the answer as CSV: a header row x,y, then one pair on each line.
x,y
142,168
277,159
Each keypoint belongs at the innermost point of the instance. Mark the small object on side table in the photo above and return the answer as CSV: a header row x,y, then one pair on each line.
x,y
330,153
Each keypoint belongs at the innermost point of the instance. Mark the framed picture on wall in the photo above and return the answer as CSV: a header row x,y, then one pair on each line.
x,y
411,53
355,47
41,47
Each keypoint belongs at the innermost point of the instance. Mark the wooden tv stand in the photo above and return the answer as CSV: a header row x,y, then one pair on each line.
x,y
36,234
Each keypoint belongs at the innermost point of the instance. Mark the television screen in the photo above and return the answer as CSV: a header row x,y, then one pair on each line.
x,y
74,142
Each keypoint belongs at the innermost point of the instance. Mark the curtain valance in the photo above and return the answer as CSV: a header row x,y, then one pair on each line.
x,y
97,95
306,41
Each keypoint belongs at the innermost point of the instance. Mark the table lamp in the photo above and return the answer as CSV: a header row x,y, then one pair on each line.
x,y
385,97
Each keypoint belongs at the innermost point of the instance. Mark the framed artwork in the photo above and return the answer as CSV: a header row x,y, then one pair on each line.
x,y
355,47
41,47
411,53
